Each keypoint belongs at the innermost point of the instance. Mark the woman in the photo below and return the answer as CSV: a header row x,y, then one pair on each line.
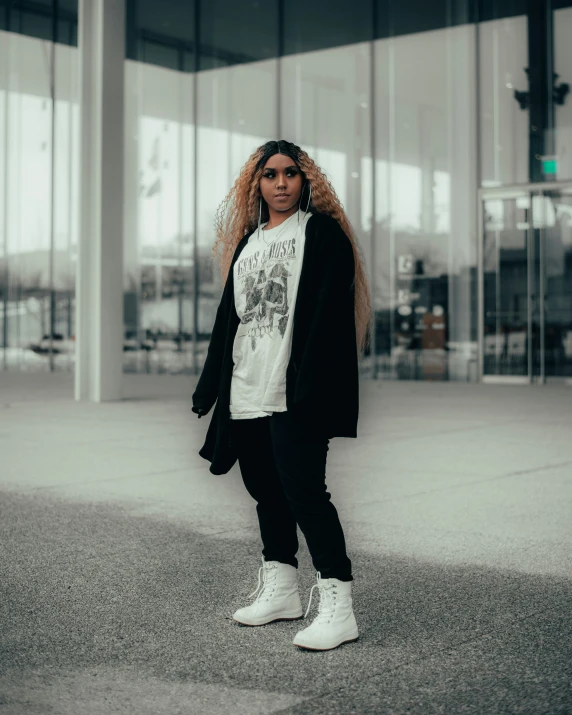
x,y
282,367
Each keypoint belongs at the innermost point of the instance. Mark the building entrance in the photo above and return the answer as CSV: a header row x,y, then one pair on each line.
x,y
525,283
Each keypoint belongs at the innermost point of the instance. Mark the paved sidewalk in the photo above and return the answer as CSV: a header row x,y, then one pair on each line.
x,y
122,558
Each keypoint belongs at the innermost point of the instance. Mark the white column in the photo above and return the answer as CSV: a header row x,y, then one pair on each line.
x,y
99,281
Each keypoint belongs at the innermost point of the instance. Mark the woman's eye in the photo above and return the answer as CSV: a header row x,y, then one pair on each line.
x,y
272,175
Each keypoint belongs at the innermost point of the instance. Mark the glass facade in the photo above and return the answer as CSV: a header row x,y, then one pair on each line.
x,y
562,24
38,185
425,188
527,283
414,110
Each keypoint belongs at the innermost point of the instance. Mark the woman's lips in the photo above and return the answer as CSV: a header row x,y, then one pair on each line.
x,y
281,197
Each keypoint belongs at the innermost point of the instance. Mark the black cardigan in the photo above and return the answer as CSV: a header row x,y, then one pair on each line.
x,y
322,376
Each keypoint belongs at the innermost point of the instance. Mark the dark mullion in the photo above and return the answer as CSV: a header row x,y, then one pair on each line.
x,y
540,82
131,45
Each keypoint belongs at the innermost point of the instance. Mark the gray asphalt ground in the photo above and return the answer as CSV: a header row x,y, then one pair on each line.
x,y
122,558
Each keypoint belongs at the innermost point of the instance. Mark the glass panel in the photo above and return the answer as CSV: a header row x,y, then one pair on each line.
x,y
236,112
36,23
157,53
495,9
35,19
503,56
5,99
322,24
237,31
158,32
38,225
232,123
425,265
554,210
506,285
159,187
316,87
563,103
410,16
159,219
65,203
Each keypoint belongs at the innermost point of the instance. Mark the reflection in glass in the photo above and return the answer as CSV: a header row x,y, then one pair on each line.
x,y
506,286
503,56
237,32
159,220
326,110
38,228
324,24
562,24
236,114
527,262
393,123
316,87
552,352
425,259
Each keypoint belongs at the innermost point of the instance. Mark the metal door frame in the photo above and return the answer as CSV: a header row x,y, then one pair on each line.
x,y
508,192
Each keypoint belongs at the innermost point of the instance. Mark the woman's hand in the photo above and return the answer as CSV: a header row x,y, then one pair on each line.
x,y
200,411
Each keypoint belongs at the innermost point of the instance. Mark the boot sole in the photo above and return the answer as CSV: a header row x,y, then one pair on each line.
x,y
271,620
305,647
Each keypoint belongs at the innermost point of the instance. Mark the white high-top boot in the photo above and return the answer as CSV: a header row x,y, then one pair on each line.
x,y
335,623
278,599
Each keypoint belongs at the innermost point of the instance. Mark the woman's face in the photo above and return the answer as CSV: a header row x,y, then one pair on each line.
x,y
281,183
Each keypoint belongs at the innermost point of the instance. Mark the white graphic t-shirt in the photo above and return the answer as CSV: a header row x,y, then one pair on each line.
x,y
266,278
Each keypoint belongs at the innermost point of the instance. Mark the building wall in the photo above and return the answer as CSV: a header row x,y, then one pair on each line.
x,y
407,125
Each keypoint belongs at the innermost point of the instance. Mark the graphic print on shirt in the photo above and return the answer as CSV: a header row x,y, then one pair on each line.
x,y
263,279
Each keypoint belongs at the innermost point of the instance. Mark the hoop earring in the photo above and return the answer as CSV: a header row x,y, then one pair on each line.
x,y
259,216
309,198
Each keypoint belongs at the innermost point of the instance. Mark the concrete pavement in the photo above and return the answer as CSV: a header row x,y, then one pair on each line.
x,y
123,558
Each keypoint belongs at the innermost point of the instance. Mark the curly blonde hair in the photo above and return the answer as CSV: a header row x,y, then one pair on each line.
x,y
238,213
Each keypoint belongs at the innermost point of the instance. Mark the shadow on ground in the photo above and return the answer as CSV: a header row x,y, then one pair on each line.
x,y
102,611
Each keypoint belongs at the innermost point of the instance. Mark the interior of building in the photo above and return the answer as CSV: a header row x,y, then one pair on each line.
x,y
445,128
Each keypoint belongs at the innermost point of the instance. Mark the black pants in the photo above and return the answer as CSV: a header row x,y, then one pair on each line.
x,y
283,468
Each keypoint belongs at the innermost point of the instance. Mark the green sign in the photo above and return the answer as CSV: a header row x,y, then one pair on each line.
x,y
549,166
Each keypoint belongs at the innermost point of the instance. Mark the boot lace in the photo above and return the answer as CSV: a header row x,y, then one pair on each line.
x,y
269,573
327,602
